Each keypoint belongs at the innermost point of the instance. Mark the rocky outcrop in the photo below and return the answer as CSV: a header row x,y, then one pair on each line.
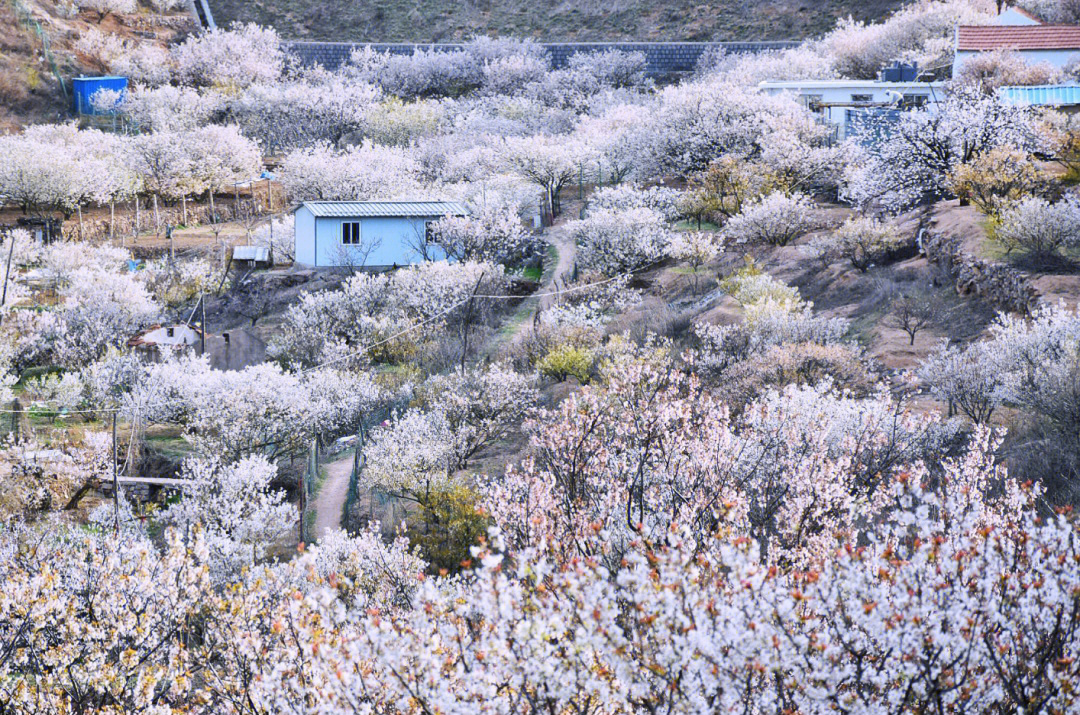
x,y
1001,286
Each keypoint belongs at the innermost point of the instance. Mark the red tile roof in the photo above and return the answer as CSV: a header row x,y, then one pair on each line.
x,y
1017,37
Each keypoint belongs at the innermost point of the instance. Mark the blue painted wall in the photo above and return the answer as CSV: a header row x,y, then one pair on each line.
x,y
305,236
396,241
84,89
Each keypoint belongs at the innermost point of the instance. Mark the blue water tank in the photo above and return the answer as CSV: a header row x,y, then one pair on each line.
x,y
900,72
84,89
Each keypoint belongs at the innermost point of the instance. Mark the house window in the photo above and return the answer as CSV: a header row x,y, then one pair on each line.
x,y
350,233
915,100
429,232
862,98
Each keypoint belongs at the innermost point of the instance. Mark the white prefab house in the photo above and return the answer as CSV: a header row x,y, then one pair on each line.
x,y
835,100
369,234
1054,44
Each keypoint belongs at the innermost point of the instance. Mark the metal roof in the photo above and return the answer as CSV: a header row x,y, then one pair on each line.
x,y
1047,95
251,253
385,209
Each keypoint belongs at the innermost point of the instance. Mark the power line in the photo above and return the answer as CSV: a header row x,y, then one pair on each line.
x,y
406,331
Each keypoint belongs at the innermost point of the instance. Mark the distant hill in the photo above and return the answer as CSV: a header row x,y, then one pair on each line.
x,y
558,20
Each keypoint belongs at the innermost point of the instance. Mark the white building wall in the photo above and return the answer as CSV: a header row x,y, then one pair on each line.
x,y
1012,17
841,92
1056,58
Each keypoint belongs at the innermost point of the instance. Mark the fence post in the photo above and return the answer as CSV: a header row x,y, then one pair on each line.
x,y
16,408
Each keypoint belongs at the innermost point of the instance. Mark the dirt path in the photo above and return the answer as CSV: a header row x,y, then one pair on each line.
x,y
565,249
329,503
559,238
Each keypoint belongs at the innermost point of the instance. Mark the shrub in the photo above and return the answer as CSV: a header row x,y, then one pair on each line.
x,y
996,178
1039,227
662,200
567,360
696,248
446,525
776,219
865,241
749,285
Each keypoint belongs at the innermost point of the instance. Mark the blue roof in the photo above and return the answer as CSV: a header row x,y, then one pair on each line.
x,y
1044,95
385,209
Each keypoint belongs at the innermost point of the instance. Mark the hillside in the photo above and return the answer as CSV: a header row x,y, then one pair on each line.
x,y
40,43
566,20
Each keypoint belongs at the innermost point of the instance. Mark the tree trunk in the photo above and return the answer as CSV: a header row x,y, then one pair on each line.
x,y
213,215
157,216
183,201
78,208
112,220
137,226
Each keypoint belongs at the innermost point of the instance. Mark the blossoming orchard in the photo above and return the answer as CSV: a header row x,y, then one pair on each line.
x,y
677,394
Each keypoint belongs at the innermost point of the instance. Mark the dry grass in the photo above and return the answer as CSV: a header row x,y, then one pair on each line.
x,y
567,20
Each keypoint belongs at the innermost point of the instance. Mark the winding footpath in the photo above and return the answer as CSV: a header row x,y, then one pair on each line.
x,y
329,503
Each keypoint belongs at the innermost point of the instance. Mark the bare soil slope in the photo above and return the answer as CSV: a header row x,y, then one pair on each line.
x,y
563,20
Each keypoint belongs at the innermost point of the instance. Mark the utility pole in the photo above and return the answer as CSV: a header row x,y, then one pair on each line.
x,y
466,319
202,324
115,479
7,271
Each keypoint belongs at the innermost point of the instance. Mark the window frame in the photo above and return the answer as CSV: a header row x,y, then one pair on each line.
x,y
357,234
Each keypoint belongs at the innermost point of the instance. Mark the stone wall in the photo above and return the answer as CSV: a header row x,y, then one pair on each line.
x,y
1003,287
662,59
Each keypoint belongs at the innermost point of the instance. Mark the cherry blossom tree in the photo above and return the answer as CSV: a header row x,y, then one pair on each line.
x,y
107,7
924,147
283,115
550,162
365,317
776,219
494,234
1039,228
243,516
613,242
168,108
360,173
230,59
